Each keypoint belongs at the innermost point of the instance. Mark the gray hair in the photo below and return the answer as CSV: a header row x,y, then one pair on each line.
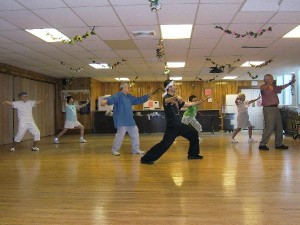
x,y
123,84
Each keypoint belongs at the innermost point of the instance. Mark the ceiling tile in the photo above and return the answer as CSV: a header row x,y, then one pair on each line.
x,y
112,33
86,3
253,17
34,4
9,5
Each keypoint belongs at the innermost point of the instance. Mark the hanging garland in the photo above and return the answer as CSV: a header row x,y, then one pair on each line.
x,y
222,67
155,5
252,76
209,80
160,49
77,38
77,70
261,65
249,34
118,63
293,84
133,82
167,70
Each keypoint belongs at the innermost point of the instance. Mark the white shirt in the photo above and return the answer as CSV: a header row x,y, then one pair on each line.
x,y
24,110
242,106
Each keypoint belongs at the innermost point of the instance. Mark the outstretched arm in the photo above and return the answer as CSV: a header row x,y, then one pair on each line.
x,y
40,101
188,104
83,105
251,101
6,103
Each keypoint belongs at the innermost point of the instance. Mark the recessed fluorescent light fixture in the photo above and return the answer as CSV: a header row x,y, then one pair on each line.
x,y
122,78
176,31
295,33
48,34
175,78
229,77
99,66
175,64
254,63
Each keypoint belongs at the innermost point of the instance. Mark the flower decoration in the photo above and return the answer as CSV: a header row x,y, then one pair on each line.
x,y
132,83
160,49
209,80
155,5
249,34
118,63
261,65
167,70
252,76
220,68
293,84
77,70
77,38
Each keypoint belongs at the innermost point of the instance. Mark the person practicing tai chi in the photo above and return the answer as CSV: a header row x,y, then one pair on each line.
x,y
272,116
189,116
71,120
25,119
172,103
243,117
123,117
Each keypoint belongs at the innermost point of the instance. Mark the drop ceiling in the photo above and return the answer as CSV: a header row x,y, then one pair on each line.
x,y
114,20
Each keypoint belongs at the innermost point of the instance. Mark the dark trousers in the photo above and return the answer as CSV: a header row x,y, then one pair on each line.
x,y
186,131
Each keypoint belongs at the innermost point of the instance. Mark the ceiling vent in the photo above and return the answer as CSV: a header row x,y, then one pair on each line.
x,y
216,70
143,34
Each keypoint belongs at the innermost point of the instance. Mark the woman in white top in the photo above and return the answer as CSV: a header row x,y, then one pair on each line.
x,y
71,120
25,118
243,117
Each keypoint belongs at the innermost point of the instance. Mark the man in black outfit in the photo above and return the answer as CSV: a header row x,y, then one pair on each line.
x,y
172,104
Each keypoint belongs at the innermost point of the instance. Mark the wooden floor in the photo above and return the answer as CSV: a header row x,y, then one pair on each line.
x,y
73,183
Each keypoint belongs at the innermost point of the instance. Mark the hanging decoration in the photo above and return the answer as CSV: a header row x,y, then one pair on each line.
x,y
209,80
132,83
249,34
293,84
77,70
167,70
160,49
261,65
155,5
118,63
77,38
252,76
220,68
68,81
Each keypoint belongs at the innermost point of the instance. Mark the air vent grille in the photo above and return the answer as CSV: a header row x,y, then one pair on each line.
x,y
143,34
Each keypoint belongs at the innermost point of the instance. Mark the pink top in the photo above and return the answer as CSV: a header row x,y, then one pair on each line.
x,y
270,97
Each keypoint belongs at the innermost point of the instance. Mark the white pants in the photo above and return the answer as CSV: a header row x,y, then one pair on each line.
x,y
133,132
31,127
193,121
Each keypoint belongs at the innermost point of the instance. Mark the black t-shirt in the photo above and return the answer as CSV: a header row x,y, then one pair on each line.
x,y
172,111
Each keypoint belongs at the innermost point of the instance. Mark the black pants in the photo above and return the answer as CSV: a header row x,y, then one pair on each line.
x,y
170,135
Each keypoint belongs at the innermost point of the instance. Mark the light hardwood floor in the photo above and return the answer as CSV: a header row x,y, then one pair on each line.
x,y
73,183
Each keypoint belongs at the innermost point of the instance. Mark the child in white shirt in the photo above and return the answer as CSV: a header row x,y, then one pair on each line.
x,y
243,117
25,118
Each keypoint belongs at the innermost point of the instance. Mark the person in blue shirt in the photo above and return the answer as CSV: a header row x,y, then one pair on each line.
x,y
71,120
123,117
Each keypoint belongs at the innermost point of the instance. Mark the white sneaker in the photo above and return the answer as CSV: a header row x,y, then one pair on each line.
x,y
82,140
56,141
251,140
35,149
140,152
233,140
12,149
116,153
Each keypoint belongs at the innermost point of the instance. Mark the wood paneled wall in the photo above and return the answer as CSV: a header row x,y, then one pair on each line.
x,y
219,89
6,112
12,81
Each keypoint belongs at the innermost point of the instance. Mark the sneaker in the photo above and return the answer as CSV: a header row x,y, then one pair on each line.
x,y
282,147
82,140
34,149
140,152
116,153
251,140
56,141
263,147
12,149
195,157
146,162
233,140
